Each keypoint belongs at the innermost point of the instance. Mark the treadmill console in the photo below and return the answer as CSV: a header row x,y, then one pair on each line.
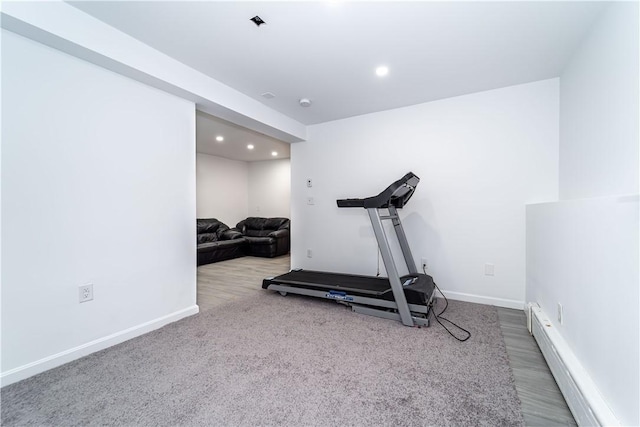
x,y
397,194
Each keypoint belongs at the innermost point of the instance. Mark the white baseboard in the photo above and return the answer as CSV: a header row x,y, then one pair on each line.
x,y
50,362
499,302
583,397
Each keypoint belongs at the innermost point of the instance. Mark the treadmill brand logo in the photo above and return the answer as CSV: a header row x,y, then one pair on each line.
x,y
339,296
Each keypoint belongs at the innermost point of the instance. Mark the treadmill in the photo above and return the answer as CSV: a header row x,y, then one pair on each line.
x,y
407,299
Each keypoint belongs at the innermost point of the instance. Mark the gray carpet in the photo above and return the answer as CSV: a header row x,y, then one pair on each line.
x,y
273,360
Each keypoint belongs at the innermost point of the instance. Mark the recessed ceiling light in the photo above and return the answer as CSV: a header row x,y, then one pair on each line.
x,y
250,146
219,138
274,153
257,20
382,71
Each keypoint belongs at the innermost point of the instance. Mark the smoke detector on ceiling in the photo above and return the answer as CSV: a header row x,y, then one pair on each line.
x,y
305,102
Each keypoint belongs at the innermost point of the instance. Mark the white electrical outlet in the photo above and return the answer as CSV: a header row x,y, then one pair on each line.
x,y
560,314
309,253
85,293
424,264
489,269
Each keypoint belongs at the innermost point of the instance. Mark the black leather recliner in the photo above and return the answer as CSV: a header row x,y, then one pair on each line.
x,y
266,237
217,242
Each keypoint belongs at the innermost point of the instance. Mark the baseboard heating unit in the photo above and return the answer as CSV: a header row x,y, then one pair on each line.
x,y
583,398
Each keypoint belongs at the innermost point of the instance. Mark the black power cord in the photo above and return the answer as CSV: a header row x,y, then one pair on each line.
x,y
439,317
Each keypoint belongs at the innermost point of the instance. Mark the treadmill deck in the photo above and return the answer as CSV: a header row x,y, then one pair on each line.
x,y
344,282
418,292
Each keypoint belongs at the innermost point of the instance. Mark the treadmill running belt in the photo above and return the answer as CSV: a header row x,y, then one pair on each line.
x,y
325,280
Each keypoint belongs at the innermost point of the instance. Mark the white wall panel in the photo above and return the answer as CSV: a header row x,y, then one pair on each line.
x,y
98,186
582,251
584,255
270,188
599,109
221,188
480,158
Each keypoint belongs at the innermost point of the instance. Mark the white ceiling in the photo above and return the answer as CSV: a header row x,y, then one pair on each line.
x,y
235,142
327,51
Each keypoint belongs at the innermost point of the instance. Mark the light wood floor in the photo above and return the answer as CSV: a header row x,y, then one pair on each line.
x,y
542,402
225,281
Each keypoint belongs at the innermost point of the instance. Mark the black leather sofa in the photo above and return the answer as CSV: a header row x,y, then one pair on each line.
x,y
217,242
266,237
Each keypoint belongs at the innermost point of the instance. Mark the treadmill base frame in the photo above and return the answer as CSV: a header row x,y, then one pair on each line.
x,y
364,305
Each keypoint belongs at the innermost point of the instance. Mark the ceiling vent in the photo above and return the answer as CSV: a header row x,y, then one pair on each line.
x,y
257,20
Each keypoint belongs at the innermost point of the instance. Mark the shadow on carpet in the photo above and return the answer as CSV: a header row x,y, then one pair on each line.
x,y
272,360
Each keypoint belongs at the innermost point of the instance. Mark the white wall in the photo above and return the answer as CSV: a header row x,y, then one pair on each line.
x,y
221,189
270,188
599,109
583,253
232,190
98,186
68,29
480,157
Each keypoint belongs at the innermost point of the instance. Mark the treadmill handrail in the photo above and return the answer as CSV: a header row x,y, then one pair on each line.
x,y
397,194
